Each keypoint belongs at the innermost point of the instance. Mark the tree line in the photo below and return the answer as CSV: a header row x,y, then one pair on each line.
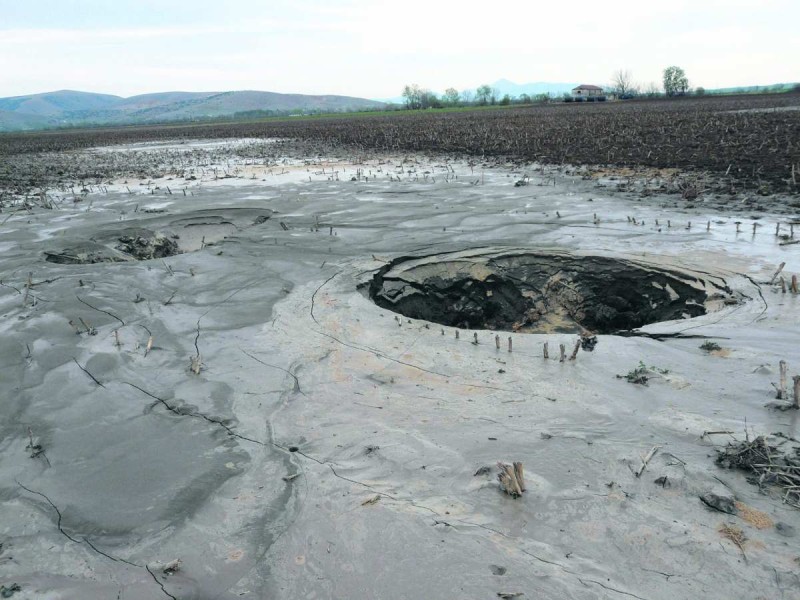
x,y
416,97
622,86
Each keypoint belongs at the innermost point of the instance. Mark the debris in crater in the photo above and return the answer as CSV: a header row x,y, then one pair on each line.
x,y
147,247
537,292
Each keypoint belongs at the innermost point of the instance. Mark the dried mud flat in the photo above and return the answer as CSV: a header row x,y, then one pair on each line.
x,y
234,400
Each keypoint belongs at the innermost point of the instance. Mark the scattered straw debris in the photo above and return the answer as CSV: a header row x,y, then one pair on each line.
x,y
772,465
735,535
756,518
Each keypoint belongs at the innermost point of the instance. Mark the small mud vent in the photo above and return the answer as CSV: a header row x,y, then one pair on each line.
x,y
548,292
131,244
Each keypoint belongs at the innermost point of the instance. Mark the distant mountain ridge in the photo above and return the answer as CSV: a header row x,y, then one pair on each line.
x,y
69,108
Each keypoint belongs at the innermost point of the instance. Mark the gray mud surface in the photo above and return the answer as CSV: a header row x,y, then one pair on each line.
x,y
244,407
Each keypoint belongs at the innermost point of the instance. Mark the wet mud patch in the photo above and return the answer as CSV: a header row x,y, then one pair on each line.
x,y
161,237
543,292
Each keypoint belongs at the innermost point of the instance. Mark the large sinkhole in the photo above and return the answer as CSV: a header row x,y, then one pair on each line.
x,y
543,292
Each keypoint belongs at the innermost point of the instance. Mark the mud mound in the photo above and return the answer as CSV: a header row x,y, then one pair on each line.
x,y
146,247
85,253
126,245
542,292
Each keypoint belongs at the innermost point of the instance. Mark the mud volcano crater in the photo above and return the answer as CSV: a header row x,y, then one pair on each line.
x,y
543,292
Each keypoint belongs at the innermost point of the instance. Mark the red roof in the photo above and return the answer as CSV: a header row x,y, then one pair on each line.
x,y
585,86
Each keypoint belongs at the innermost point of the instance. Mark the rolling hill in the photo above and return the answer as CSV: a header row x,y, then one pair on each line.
x,y
70,108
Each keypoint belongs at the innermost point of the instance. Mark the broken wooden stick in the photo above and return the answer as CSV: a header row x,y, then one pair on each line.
x,y
574,354
563,352
497,342
783,394
545,352
793,287
28,286
778,272
509,344
796,380
646,460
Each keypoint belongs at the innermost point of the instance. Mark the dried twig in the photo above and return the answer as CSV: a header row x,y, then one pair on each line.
x,y
646,459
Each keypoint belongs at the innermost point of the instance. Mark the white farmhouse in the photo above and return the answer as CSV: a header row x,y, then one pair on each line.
x,y
585,90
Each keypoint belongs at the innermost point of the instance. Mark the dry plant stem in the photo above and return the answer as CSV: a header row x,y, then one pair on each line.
x,y
574,354
497,342
508,478
793,287
85,325
28,285
509,344
796,380
194,364
545,352
646,460
782,393
778,272
519,473
563,351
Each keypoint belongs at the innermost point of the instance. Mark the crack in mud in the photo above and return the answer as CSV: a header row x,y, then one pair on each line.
x,y
161,585
296,387
194,414
112,315
314,295
86,540
609,588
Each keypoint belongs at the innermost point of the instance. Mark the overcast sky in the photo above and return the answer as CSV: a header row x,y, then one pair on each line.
x,y
371,49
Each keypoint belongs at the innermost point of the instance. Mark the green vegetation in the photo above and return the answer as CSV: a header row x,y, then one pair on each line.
x,y
641,374
710,346
675,81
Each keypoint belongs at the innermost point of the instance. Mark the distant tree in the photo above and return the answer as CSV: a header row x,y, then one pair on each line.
x,y
427,99
622,82
411,94
467,96
495,95
675,81
524,99
542,98
505,100
417,97
451,97
651,90
484,95
700,91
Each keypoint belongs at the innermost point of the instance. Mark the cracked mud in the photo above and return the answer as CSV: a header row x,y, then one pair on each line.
x,y
307,400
